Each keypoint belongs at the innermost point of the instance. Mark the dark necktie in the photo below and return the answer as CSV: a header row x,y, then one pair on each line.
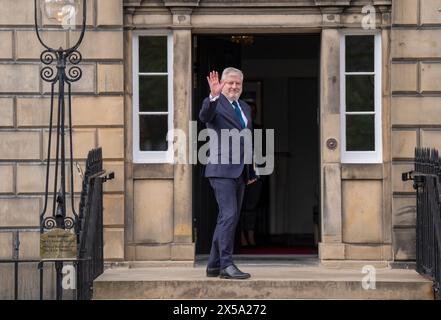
x,y
238,113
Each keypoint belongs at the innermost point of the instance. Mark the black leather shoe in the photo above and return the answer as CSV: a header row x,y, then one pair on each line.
x,y
233,272
213,272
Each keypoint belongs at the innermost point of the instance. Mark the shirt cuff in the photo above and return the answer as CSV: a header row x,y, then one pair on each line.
x,y
213,98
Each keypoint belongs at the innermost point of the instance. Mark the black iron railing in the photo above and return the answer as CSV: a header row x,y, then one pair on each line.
x,y
427,183
90,225
16,262
89,231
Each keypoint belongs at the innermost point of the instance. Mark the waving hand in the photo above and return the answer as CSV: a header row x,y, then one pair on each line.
x,y
215,86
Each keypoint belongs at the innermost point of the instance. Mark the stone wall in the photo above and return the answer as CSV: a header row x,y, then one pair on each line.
x,y
416,105
159,196
97,115
356,201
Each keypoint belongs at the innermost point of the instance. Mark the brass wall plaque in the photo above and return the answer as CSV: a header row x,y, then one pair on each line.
x,y
58,244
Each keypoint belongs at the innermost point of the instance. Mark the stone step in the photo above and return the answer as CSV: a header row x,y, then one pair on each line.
x,y
267,282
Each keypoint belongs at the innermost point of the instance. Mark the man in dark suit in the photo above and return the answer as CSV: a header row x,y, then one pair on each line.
x,y
223,110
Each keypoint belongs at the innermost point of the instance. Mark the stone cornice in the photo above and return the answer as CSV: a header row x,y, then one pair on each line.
x,y
322,4
181,12
332,3
132,3
181,3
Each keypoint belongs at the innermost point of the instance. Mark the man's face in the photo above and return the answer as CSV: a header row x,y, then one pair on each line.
x,y
233,86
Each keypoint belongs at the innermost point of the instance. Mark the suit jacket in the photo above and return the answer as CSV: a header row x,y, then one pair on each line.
x,y
218,115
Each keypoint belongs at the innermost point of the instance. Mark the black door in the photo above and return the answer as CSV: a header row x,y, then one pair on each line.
x,y
211,53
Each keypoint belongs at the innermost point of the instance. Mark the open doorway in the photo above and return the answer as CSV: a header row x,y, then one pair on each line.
x,y
282,80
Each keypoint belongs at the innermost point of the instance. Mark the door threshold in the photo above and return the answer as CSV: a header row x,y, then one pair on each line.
x,y
285,259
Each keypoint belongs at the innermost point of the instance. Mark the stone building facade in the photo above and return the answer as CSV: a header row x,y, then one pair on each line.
x,y
365,211
356,214
98,119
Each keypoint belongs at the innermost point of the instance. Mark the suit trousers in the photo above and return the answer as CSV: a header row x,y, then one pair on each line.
x,y
229,195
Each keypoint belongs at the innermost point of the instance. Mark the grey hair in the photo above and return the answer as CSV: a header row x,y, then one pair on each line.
x,y
230,70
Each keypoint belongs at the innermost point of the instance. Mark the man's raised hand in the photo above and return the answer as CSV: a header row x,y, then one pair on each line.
x,y
215,86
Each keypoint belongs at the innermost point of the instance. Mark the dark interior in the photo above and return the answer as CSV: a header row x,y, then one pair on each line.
x,y
282,78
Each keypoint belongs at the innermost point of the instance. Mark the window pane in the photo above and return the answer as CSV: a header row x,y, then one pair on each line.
x,y
360,133
152,54
360,93
153,93
360,53
153,133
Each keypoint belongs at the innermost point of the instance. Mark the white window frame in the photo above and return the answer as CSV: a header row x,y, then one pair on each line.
x,y
361,156
151,156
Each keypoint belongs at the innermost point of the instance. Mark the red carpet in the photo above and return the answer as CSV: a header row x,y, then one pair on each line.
x,y
277,250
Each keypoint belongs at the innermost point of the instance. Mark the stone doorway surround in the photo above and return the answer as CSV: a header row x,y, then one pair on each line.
x,y
158,206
